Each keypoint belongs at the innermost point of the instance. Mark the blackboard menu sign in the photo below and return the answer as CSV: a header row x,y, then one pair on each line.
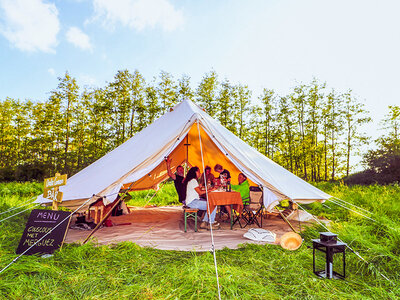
x,y
39,223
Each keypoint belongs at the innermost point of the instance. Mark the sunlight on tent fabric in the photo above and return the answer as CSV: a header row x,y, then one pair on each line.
x,y
188,150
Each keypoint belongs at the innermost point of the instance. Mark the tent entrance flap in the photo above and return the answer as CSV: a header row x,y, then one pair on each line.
x,y
212,155
159,173
188,149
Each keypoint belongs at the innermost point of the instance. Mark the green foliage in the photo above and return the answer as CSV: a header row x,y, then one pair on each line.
x,y
224,103
311,131
167,91
383,167
207,93
184,89
392,124
382,164
242,96
20,189
127,271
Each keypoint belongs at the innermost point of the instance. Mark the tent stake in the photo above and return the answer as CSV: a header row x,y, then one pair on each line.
x,y
101,222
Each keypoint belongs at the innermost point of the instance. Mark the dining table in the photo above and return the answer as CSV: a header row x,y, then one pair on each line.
x,y
217,198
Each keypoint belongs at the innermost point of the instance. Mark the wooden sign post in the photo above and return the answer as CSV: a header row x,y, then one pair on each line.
x,y
45,230
51,191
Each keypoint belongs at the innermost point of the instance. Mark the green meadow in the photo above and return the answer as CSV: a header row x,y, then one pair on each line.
x,y
127,271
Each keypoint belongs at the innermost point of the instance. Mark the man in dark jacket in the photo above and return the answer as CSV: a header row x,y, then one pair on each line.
x,y
178,178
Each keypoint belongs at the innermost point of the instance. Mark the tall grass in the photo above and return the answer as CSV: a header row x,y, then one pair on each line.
x,y
127,271
166,195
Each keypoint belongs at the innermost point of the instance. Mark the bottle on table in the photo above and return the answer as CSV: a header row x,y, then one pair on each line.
x,y
228,187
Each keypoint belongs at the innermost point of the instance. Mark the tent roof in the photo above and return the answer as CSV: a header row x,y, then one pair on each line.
x,y
139,162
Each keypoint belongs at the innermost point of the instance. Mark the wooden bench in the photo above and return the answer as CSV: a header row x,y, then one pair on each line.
x,y
190,212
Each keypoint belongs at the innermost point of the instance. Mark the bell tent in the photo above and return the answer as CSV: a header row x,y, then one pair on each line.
x,y
188,135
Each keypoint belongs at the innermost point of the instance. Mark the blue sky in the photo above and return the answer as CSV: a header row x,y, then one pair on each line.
x,y
262,43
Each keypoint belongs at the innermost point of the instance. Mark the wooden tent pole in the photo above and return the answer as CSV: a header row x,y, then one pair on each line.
x,y
187,154
101,222
286,220
162,185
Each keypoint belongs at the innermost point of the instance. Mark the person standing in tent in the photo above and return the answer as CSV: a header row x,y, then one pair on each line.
x,y
192,198
178,178
243,188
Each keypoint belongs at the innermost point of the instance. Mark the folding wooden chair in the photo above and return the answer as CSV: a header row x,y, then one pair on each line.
x,y
253,210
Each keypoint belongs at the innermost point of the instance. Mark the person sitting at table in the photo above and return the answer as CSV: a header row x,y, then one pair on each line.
x,y
223,179
192,198
210,179
243,188
224,175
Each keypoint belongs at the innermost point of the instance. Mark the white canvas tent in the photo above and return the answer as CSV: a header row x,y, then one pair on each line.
x,y
181,134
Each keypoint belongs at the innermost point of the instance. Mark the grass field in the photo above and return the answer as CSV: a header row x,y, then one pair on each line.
x,y
126,271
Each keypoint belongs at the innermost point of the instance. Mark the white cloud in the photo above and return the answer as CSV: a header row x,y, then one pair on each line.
x,y
30,25
78,38
138,14
51,71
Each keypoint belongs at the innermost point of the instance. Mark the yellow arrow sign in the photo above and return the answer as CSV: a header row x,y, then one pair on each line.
x,y
55,181
53,195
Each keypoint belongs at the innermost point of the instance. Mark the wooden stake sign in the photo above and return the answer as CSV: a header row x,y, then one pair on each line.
x,y
51,191
53,195
56,181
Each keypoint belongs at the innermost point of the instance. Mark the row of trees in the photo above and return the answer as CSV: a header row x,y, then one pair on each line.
x,y
382,164
312,131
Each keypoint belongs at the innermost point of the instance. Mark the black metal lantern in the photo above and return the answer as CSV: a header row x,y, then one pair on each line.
x,y
330,246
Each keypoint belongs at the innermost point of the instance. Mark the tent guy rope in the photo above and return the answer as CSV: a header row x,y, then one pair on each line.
x,y
209,213
159,189
356,212
351,204
352,210
25,203
9,217
36,204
